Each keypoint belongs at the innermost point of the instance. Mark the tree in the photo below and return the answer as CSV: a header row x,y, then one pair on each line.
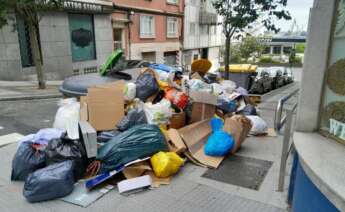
x,y
29,11
239,15
249,46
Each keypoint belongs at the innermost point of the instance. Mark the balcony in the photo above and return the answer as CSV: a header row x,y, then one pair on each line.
x,y
207,18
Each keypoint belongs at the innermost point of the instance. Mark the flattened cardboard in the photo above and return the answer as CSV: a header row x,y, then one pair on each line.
x,y
89,138
175,142
195,137
239,129
105,105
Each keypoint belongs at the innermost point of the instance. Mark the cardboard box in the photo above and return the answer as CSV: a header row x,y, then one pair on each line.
x,y
89,138
178,120
204,106
238,126
175,141
195,136
103,107
134,184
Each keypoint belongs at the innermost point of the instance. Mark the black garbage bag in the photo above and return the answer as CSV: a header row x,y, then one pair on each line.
x,y
134,117
138,142
146,85
27,160
248,110
63,149
49,183
227,106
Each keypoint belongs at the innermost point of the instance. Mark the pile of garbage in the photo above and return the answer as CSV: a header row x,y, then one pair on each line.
x,y
135,135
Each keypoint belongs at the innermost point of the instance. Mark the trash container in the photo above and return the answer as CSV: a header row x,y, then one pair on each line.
x,y
242,74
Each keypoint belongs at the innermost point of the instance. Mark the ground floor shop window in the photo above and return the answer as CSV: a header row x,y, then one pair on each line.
x,y
332,122
82,37
170,58
149,56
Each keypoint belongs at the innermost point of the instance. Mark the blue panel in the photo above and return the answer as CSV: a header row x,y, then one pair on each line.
x,y
307,197
292,178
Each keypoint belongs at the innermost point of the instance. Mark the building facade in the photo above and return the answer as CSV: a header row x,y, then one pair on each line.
x,y
281,45
203,35
149,30
76,40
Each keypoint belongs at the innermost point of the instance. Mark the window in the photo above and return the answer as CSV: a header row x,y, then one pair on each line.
x,y
332,122
172,27
82,37
192,29
172,1
24,43
287,49
277,49
147,26
204,30
170,58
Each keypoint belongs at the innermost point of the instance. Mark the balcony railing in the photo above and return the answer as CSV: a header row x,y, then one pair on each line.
x,y
208,18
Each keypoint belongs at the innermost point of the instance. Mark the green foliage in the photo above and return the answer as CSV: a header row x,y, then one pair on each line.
x,y
267,59
296,60
235,54
241,14
27,9
250,46
300,48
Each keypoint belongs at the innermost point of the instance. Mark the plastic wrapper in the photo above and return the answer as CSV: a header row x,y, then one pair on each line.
x,y
146,85
249,110
130,91
63,149
165,164
178,98
198,85
259,125
67,117
159,113
49,183
226,105
26,160
219,143
136,143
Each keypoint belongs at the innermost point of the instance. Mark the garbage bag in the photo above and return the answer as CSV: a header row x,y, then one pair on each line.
x,y
26,160
138,142
219,143
63,149
178,98
165,164
49,183
130,91
259,125
67,117
105,136
43,136
134,117
226,105
228,85
198,85
249,110
146,85
159,113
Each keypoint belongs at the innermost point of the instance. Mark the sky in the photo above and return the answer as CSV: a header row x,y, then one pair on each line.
x,y
299,9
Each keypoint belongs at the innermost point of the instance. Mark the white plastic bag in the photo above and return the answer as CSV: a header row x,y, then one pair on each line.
x,y
259,125
67,117
159,113
228,86
130,91
198,85
217,89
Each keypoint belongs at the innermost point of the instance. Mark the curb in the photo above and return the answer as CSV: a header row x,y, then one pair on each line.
x,y
17,98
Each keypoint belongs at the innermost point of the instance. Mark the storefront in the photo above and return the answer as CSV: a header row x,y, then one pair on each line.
x,y
318,175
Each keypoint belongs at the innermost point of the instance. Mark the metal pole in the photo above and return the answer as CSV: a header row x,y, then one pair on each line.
x,y
285,149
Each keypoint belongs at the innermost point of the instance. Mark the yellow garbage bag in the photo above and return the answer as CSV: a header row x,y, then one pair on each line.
x,y
165,164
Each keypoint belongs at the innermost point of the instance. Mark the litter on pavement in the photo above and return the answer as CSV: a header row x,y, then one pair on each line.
x,y
137,135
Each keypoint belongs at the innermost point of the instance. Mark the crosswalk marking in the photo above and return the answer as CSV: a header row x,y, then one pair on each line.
x,y
10,138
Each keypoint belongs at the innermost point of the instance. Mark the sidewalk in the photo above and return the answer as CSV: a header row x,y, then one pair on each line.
x,y
27,90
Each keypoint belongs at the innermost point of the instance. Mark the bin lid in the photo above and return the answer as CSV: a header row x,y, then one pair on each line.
x,y
202,66
111,61
238,68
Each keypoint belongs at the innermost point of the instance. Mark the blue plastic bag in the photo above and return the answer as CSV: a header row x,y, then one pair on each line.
x,y
219,143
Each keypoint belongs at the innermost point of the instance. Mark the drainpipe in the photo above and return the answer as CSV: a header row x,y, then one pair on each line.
x,y
129,17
